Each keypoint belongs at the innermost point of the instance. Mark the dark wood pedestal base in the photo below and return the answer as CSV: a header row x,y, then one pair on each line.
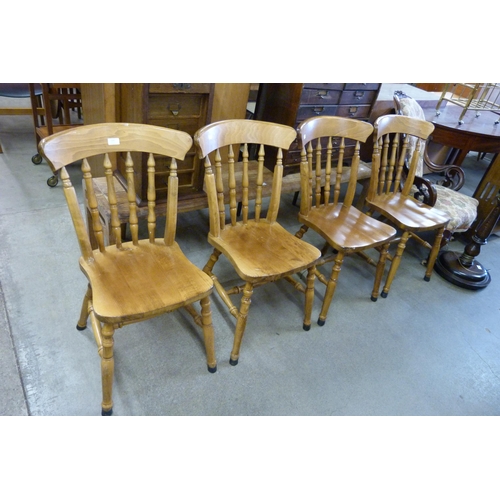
x,y
463,269
449,265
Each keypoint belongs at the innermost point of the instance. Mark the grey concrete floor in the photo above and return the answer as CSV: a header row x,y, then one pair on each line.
x,y
429,349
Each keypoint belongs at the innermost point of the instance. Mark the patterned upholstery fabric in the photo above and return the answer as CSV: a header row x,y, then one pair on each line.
x,y
461,208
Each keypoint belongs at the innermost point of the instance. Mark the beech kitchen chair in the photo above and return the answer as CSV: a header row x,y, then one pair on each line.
x,y
327,209
444,196
130,281
257,246
390,187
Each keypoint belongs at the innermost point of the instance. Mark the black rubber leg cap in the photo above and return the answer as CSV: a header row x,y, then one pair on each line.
x,y
384,295
427,278
321,322
212,370
107,413
233,362
80,328
306,327
374,299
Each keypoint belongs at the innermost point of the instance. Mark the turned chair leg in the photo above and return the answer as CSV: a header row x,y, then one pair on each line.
x,y
434,253
311,276
379,271
395,263
107,369
330,288
241,323
208,334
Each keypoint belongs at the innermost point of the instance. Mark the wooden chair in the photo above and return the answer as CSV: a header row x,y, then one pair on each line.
x,y
135,280
390,187
461,209
54,115
258,247
327,209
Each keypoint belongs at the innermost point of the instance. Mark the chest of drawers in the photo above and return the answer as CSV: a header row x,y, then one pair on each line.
x,y
181,106
292,103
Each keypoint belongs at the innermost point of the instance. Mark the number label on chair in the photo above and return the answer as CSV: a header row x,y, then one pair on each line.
x,y
113,141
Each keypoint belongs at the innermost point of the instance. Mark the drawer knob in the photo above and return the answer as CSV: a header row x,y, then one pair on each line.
x,y
358,94
322,94
318,110
174,108
182,86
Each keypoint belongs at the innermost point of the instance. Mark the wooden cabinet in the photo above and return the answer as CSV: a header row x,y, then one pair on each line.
x,y
292,103
183,106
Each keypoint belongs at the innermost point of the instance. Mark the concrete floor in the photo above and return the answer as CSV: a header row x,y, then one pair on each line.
x,y
430,348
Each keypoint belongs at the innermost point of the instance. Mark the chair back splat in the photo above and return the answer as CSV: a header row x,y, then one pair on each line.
x,y
142,278
258,247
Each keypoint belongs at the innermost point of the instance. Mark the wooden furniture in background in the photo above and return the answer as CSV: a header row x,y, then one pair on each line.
x,y
475,134
17,91
390,187
179,106
257,246
331,214
487,193
476,97
55,113
292,103
143,278
121,102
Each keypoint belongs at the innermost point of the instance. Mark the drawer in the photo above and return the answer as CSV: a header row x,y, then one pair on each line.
x,y
305,112
188,125
168,88
174,106
325,86
320,96
362,86
358,96
354,111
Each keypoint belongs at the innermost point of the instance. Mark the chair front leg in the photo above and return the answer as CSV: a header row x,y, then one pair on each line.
x,y
208,334
379,271
311,275
107,369
434,253
395,263
330,289
241,323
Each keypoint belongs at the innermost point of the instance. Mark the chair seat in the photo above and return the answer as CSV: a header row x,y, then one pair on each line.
x,y
409,213
18,90
462,209
259,250
143,280
347,228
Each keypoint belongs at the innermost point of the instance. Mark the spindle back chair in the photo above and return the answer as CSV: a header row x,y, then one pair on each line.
x,y
133,280
327,209
399,139
258,247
